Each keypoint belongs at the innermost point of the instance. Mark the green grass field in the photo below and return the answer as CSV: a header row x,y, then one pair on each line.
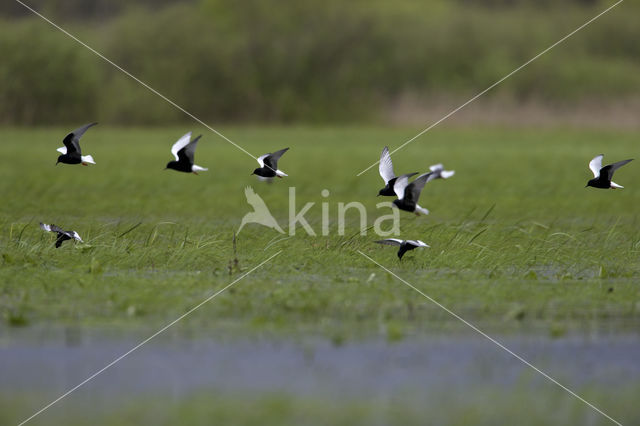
x,y
515,237
489,407
518,245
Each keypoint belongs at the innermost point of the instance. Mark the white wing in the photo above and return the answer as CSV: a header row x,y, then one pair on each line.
x,y
182,142
77,237
62,150
45,227
196,168
401,183
596,164
418,243
436,167
87,159
386,166
445,174
261,159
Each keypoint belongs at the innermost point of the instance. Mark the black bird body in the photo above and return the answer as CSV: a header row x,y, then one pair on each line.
x,y
61,238
405,204
600,182
409,193
269,165
404,245
71,152
603,175
62,235
72,158
179,166
184,152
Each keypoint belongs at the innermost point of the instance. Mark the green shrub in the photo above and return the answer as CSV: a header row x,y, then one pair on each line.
x,y
44,76
305,60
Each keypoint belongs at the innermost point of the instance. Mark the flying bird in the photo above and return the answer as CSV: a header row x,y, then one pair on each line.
x,y
62,234
71,152
438,172
603,175
409,193
269,166
184,150
386,171
405,245
260,213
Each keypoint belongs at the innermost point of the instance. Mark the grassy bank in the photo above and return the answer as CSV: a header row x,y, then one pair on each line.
x,y
516,240
484,407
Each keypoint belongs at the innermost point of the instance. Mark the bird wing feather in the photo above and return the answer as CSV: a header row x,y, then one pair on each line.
x,y
181,143
596,164
80,130
401,184
271,160
72,144
57,229
386,166
187,153
390,242
413,190
261,159
615,166
72,140
607,171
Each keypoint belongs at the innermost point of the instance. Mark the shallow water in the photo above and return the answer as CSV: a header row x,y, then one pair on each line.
x,y
49,362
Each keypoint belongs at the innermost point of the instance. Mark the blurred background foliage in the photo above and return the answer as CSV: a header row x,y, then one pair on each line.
x,y
288,61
